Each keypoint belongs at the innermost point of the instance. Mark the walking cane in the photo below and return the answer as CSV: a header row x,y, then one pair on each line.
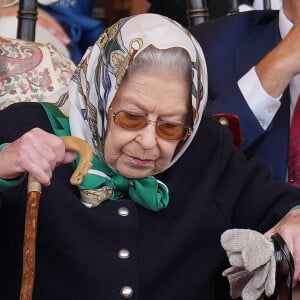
x,y
32,205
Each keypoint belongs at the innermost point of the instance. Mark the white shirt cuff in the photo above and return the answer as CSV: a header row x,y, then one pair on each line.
x,y
47,2
245,7
263,106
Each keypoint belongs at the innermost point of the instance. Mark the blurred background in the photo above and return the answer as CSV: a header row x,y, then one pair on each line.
x,y
109,11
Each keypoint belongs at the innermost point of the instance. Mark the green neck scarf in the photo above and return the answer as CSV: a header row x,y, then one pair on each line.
x,y
103,183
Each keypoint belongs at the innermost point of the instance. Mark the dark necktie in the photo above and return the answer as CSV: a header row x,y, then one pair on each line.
x,y
294,148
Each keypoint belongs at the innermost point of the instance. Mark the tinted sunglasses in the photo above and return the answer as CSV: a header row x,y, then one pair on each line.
x,y
165,130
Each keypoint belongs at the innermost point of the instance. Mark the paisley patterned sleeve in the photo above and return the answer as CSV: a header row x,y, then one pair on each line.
x,y
32,72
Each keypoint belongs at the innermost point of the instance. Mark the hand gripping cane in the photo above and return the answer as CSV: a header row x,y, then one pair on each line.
x,y
32,205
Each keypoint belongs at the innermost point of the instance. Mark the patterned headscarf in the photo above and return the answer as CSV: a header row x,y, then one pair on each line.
x,y
104,65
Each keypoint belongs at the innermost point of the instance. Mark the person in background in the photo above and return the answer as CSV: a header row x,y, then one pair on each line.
x,y
76,19
48,30
177,9
253,68
166,180
68,25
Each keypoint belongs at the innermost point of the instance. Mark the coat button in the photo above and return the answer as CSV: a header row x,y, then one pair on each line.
x,y
123,211
126,292
224,121
271,108
123,253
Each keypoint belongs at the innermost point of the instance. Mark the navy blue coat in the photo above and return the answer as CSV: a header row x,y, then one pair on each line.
x,y
174,253
232,45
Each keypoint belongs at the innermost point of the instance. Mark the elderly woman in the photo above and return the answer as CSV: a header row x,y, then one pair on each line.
x,y
166,180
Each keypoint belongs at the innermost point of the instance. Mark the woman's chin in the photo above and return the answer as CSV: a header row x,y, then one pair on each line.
x,y
135,173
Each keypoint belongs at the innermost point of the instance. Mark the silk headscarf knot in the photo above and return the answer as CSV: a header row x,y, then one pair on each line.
x,y
148,192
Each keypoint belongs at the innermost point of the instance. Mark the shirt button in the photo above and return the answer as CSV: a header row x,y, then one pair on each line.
x,y
124,253
270,109
261,122
126,292
123,211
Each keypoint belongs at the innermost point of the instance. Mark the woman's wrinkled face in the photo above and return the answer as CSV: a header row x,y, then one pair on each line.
x,y
156,95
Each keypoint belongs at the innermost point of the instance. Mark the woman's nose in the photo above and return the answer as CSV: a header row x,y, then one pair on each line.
x,y
147,136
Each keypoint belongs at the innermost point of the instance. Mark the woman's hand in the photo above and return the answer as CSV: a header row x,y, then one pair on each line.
x,y
36,152
44,19
289,229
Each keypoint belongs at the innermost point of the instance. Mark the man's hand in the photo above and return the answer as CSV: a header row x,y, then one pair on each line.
x,y
279,66
289,229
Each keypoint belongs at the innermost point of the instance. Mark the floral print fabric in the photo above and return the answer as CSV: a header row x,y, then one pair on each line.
x,y
32,72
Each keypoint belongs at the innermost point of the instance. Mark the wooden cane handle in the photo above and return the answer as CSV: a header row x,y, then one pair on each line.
x,y
85,163
86,157
32,205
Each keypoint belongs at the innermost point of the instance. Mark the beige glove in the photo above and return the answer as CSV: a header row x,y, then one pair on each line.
x,y
253,269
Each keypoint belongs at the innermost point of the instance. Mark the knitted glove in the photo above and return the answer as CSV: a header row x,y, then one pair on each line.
x,y
251,256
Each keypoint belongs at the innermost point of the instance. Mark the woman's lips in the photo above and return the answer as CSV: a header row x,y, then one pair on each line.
x,y
141,162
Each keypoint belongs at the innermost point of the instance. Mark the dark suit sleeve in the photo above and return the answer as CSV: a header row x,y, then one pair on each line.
x,y
232,46
231,101
224,95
